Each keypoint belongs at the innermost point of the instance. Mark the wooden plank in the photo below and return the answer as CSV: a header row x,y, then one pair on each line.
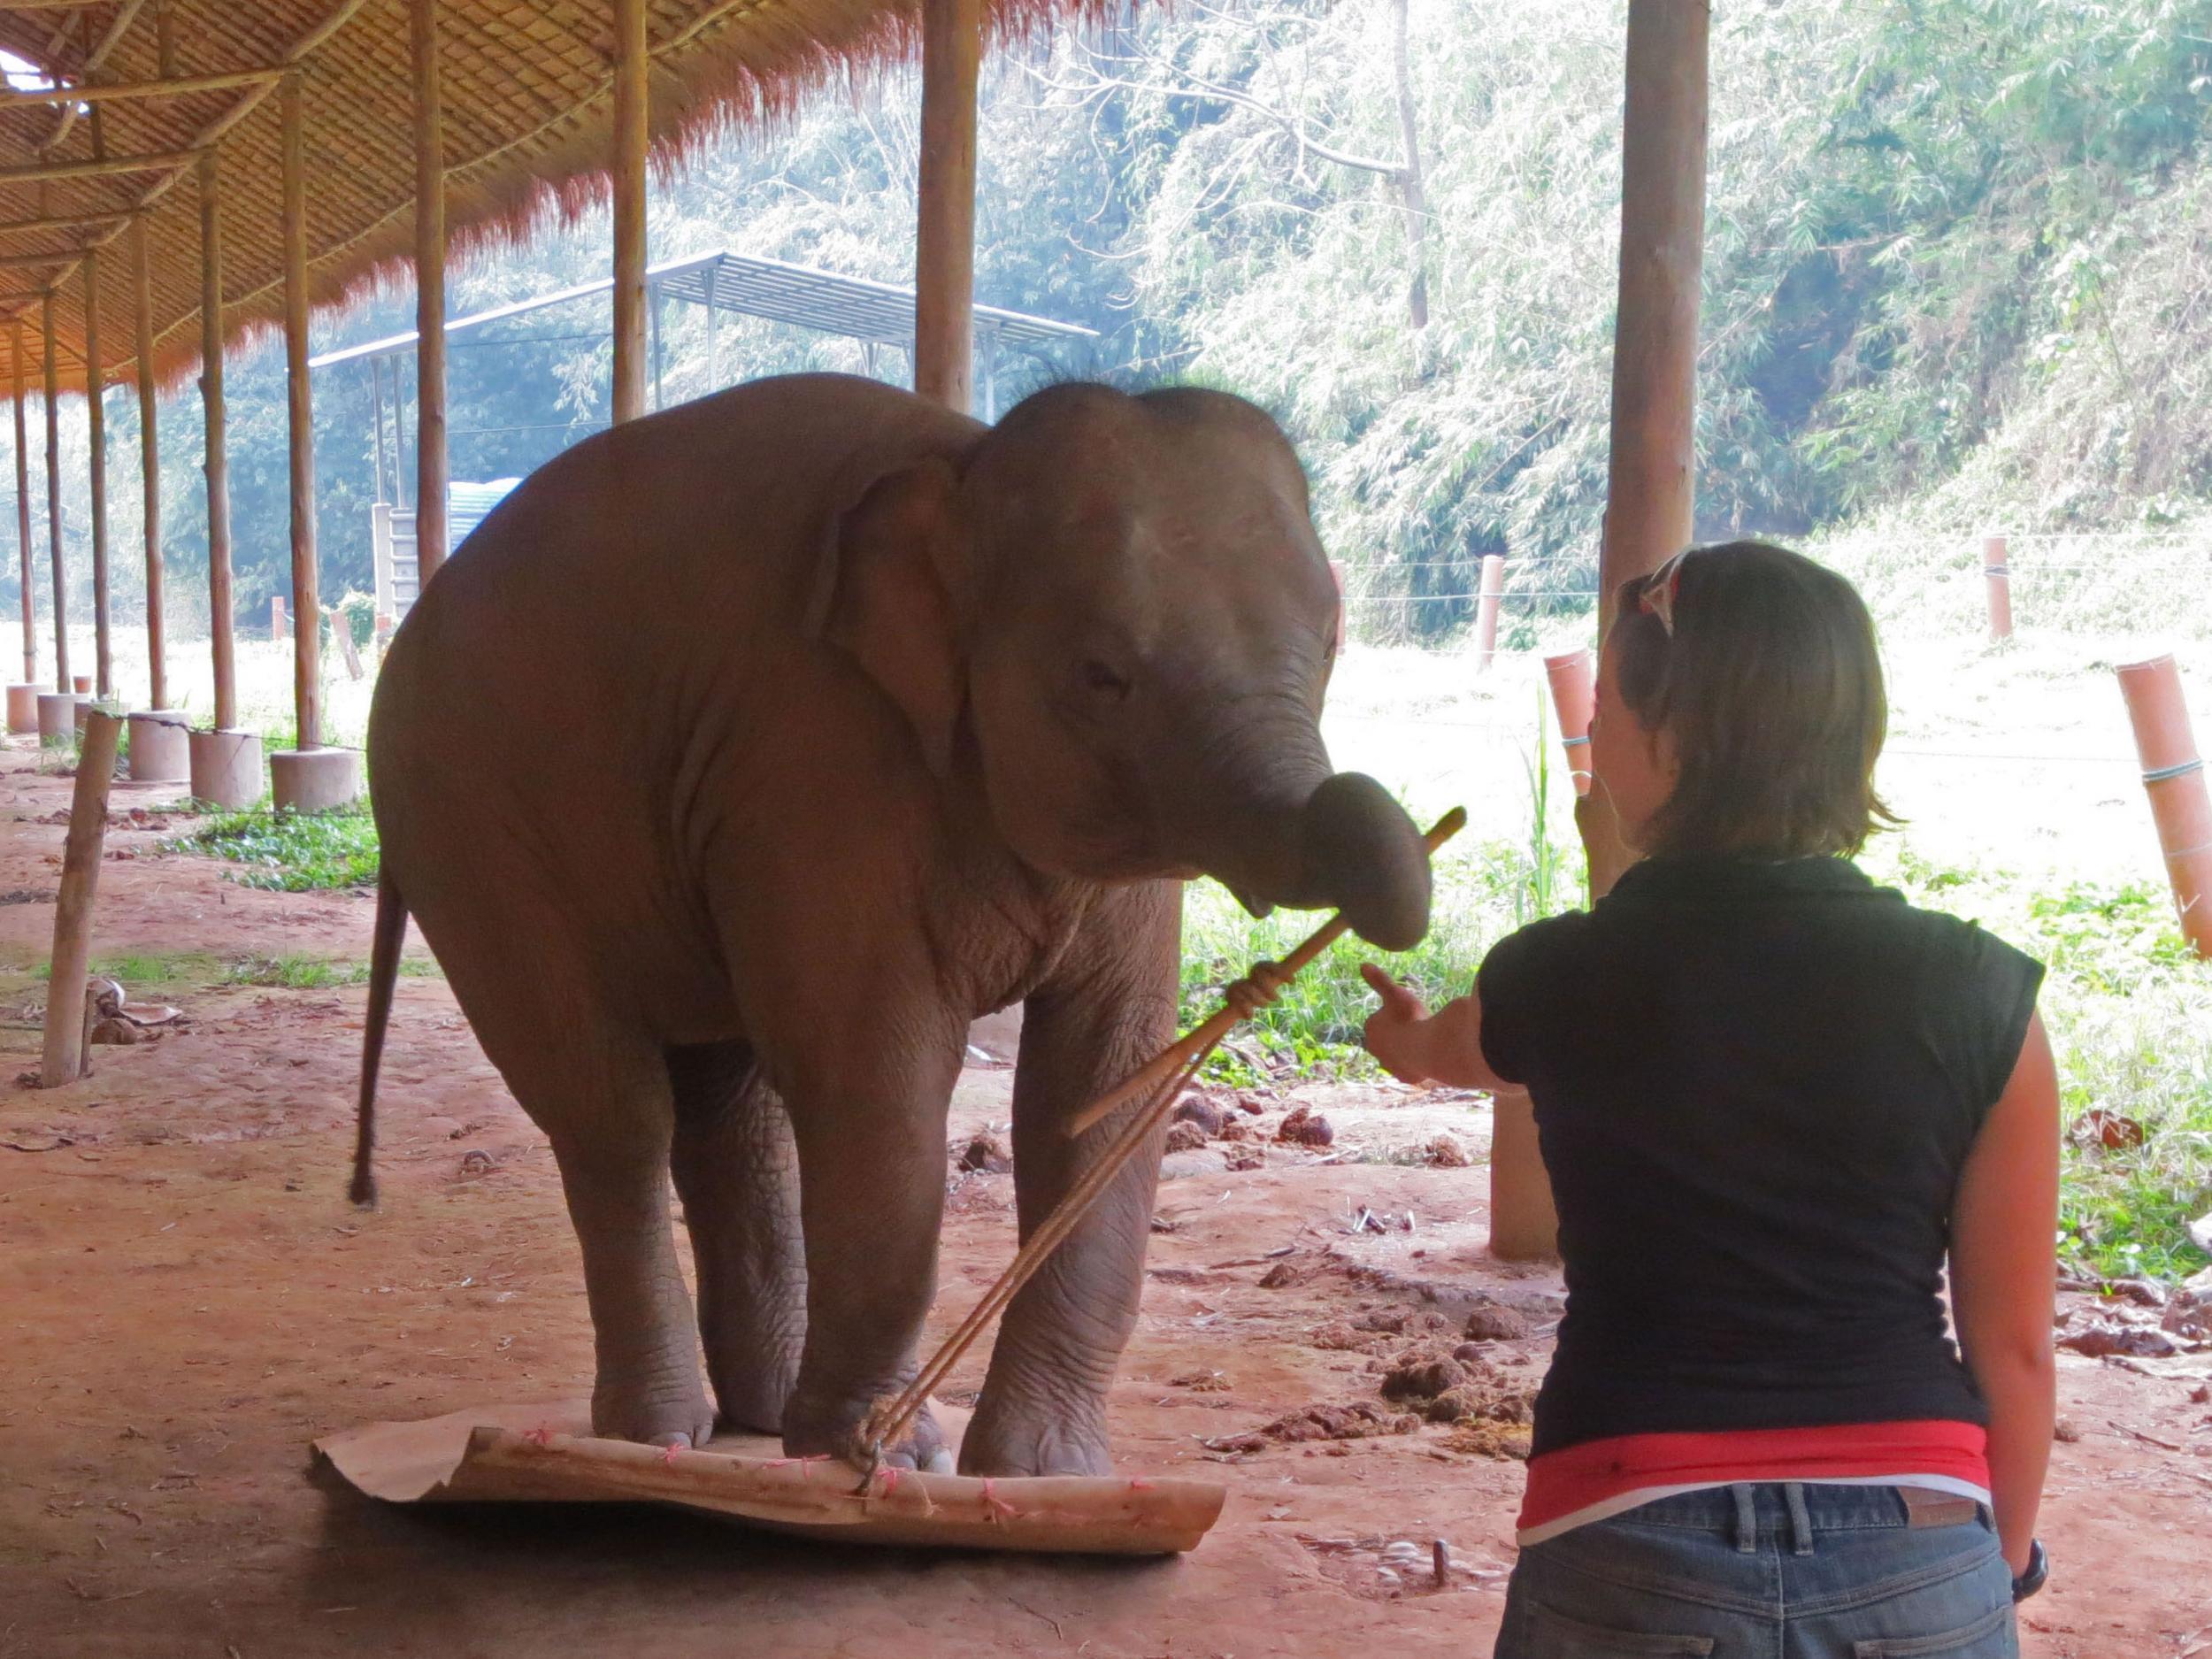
x,y
432,471
23,506
219,596
306,595
96,464
1649,499
944,276
631,64
150,463
62,1058
53,493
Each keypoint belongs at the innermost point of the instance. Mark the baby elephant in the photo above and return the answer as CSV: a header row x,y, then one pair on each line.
x,y
748,751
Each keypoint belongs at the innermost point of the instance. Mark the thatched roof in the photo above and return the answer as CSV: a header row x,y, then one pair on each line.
x,y
528,107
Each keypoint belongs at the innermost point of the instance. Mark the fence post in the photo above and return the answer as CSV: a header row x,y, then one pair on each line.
x,y
1486,612
62,1058
1997,574
2173,777
278,626
1573,695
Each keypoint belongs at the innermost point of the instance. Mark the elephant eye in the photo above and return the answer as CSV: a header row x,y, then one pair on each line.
x,y
1104,681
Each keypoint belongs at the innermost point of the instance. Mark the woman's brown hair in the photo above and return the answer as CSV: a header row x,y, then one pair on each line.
x,y
1763,666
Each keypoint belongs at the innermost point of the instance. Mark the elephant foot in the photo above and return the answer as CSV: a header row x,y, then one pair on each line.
x,y
1021,1440
653,1417
812,1430
752,1394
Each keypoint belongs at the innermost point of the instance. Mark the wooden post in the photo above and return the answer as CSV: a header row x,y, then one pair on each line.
x,y
149,466
96,446
1649,499
218,600
2173,777
431,467
944,273
1997,581
631,65
653,313
23,504
62,681
62,1058
307,613
1492,594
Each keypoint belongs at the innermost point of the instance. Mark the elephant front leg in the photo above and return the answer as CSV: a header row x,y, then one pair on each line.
x,y
1111,1008
868,1111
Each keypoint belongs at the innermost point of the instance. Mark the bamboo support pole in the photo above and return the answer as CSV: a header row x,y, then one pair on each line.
x,y
218,597
66,221
431,474
44,259
162,87
1492,591
2173,778
1650,488
306,594
96,464
63,1059
23,506
148,463
95,166
53,495
944,274
94,54
1997,581
631,64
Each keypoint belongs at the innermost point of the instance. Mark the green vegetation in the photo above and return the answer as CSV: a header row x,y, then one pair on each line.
x,y
292,852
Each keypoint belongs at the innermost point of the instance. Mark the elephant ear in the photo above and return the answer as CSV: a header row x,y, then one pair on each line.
x,y
883,600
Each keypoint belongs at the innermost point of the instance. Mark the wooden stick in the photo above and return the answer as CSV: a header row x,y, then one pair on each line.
x,y
96,459
307,621
41,260
63,1059
165,87
94,55
944,263
53,493
219,599
23,505
93,167
150,464
432,470
66,221
631,65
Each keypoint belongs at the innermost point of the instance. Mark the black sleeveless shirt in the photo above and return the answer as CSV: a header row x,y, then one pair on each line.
x,y
1756,1084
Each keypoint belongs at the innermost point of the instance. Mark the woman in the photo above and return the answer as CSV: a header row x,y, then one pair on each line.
x,y
1775,1102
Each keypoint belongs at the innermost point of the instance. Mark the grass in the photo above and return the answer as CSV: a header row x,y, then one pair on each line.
x,y
138,973
292,852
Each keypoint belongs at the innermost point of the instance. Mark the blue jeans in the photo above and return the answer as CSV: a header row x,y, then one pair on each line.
x,y
1775,1571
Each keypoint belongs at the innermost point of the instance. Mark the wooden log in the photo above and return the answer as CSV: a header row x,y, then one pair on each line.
x,y
944,274
97,448
218,596
162,87
66,221
42,260
150,464
431,474
62,1061
53,493
95,166
23,505
307,695
631,65
1650,492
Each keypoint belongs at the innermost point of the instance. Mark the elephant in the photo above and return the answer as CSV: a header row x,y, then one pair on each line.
x,y
749,750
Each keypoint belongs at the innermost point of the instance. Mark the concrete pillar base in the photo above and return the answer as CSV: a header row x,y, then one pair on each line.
x,y
57,717
161,747
226,768
314,780
23,709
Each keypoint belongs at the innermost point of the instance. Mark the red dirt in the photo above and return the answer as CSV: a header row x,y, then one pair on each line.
x,y
187,1300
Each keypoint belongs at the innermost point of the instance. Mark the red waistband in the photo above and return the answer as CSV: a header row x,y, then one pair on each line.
x,y
1577,1477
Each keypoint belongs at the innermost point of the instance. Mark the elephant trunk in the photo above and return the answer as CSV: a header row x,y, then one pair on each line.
x,y
1306,838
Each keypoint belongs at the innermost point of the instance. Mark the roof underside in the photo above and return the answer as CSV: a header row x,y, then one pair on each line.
x,y
799,295
527,100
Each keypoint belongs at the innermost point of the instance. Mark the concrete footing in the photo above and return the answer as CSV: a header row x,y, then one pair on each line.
x,y
23,708
314,780
57,717
161,746
226,768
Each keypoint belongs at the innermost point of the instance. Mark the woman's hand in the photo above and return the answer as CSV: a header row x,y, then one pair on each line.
x,y
1398,1033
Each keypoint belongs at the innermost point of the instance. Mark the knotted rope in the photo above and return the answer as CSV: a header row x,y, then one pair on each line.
x,y
1158,1085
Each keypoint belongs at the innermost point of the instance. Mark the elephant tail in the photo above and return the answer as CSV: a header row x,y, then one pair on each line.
x,y
391,932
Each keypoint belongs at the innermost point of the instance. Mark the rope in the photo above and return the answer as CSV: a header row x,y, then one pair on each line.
x,y
1158,1084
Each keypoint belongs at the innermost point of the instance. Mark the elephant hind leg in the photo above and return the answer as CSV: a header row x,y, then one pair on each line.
x,y
737,1171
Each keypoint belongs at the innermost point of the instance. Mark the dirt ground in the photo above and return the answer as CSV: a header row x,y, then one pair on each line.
x,y
187,1300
